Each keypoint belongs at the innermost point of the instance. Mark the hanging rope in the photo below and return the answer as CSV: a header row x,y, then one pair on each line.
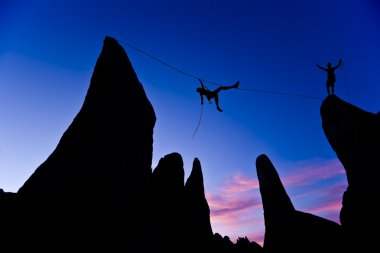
x,y
210,82
280,93
199,121
345,82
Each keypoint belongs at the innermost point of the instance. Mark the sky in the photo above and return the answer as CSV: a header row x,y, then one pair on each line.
x,y
48,50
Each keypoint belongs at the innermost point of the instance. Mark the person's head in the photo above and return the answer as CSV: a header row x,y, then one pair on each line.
x,y
329,65
199,89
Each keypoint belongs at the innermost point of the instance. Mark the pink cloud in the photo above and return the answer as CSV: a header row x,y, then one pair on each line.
x,y
225,206
324,202
235,196
241,184
309,172
256,237
335,207
236,209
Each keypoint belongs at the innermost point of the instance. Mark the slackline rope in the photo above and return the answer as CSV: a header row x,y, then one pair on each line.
x,y
210,82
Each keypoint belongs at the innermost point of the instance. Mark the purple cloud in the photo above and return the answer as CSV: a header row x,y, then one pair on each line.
x,y
309,172
237,208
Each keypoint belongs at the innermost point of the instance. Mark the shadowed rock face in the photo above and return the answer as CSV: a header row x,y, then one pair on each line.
x,y
108,146
288,230
168,203
97,180
274,197
97,190
354,135
197,211
6,198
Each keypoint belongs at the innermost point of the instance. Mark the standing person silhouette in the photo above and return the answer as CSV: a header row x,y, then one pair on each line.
x,y
203,91
330,76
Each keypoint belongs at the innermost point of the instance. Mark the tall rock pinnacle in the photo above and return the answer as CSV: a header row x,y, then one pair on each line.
x,y
197,210
354,135
97,182
168,203
289,230
273,194
108,146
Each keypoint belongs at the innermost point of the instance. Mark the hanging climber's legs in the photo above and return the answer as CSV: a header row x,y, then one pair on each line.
x,y
217,103
236,85
214,93
332,89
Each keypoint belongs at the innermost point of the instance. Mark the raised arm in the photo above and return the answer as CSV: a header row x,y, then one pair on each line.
x,y
321,67
203,87
337,66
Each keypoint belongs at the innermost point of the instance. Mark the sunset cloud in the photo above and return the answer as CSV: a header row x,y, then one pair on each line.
x,y
310,172
241,184
236,208
326,203
235,196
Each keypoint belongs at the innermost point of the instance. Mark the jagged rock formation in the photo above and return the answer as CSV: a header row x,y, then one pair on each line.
x,y
289,230
354,135
97,190
97,180
180,208
197,210
6,199
168,202
108,146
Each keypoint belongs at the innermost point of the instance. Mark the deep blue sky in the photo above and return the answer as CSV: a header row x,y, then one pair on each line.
x,y
48,50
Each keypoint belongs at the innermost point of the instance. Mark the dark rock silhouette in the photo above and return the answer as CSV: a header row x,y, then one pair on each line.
x,y
197,209
97,189
97,180
168,203
7,199
197,212
108,146
289,230
354,135
243,245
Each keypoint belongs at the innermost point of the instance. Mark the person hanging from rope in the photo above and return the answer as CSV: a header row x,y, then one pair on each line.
x,y
203,91
330,76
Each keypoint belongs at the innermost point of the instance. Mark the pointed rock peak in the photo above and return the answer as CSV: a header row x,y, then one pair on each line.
x,y
114,83
197,209
195,180
109,143
170,169
273,194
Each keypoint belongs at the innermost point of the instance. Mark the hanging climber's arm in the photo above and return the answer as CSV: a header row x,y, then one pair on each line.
x,y
321,67
203,87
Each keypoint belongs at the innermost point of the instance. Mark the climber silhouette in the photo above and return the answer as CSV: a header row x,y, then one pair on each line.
x,y
330,76
203,91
